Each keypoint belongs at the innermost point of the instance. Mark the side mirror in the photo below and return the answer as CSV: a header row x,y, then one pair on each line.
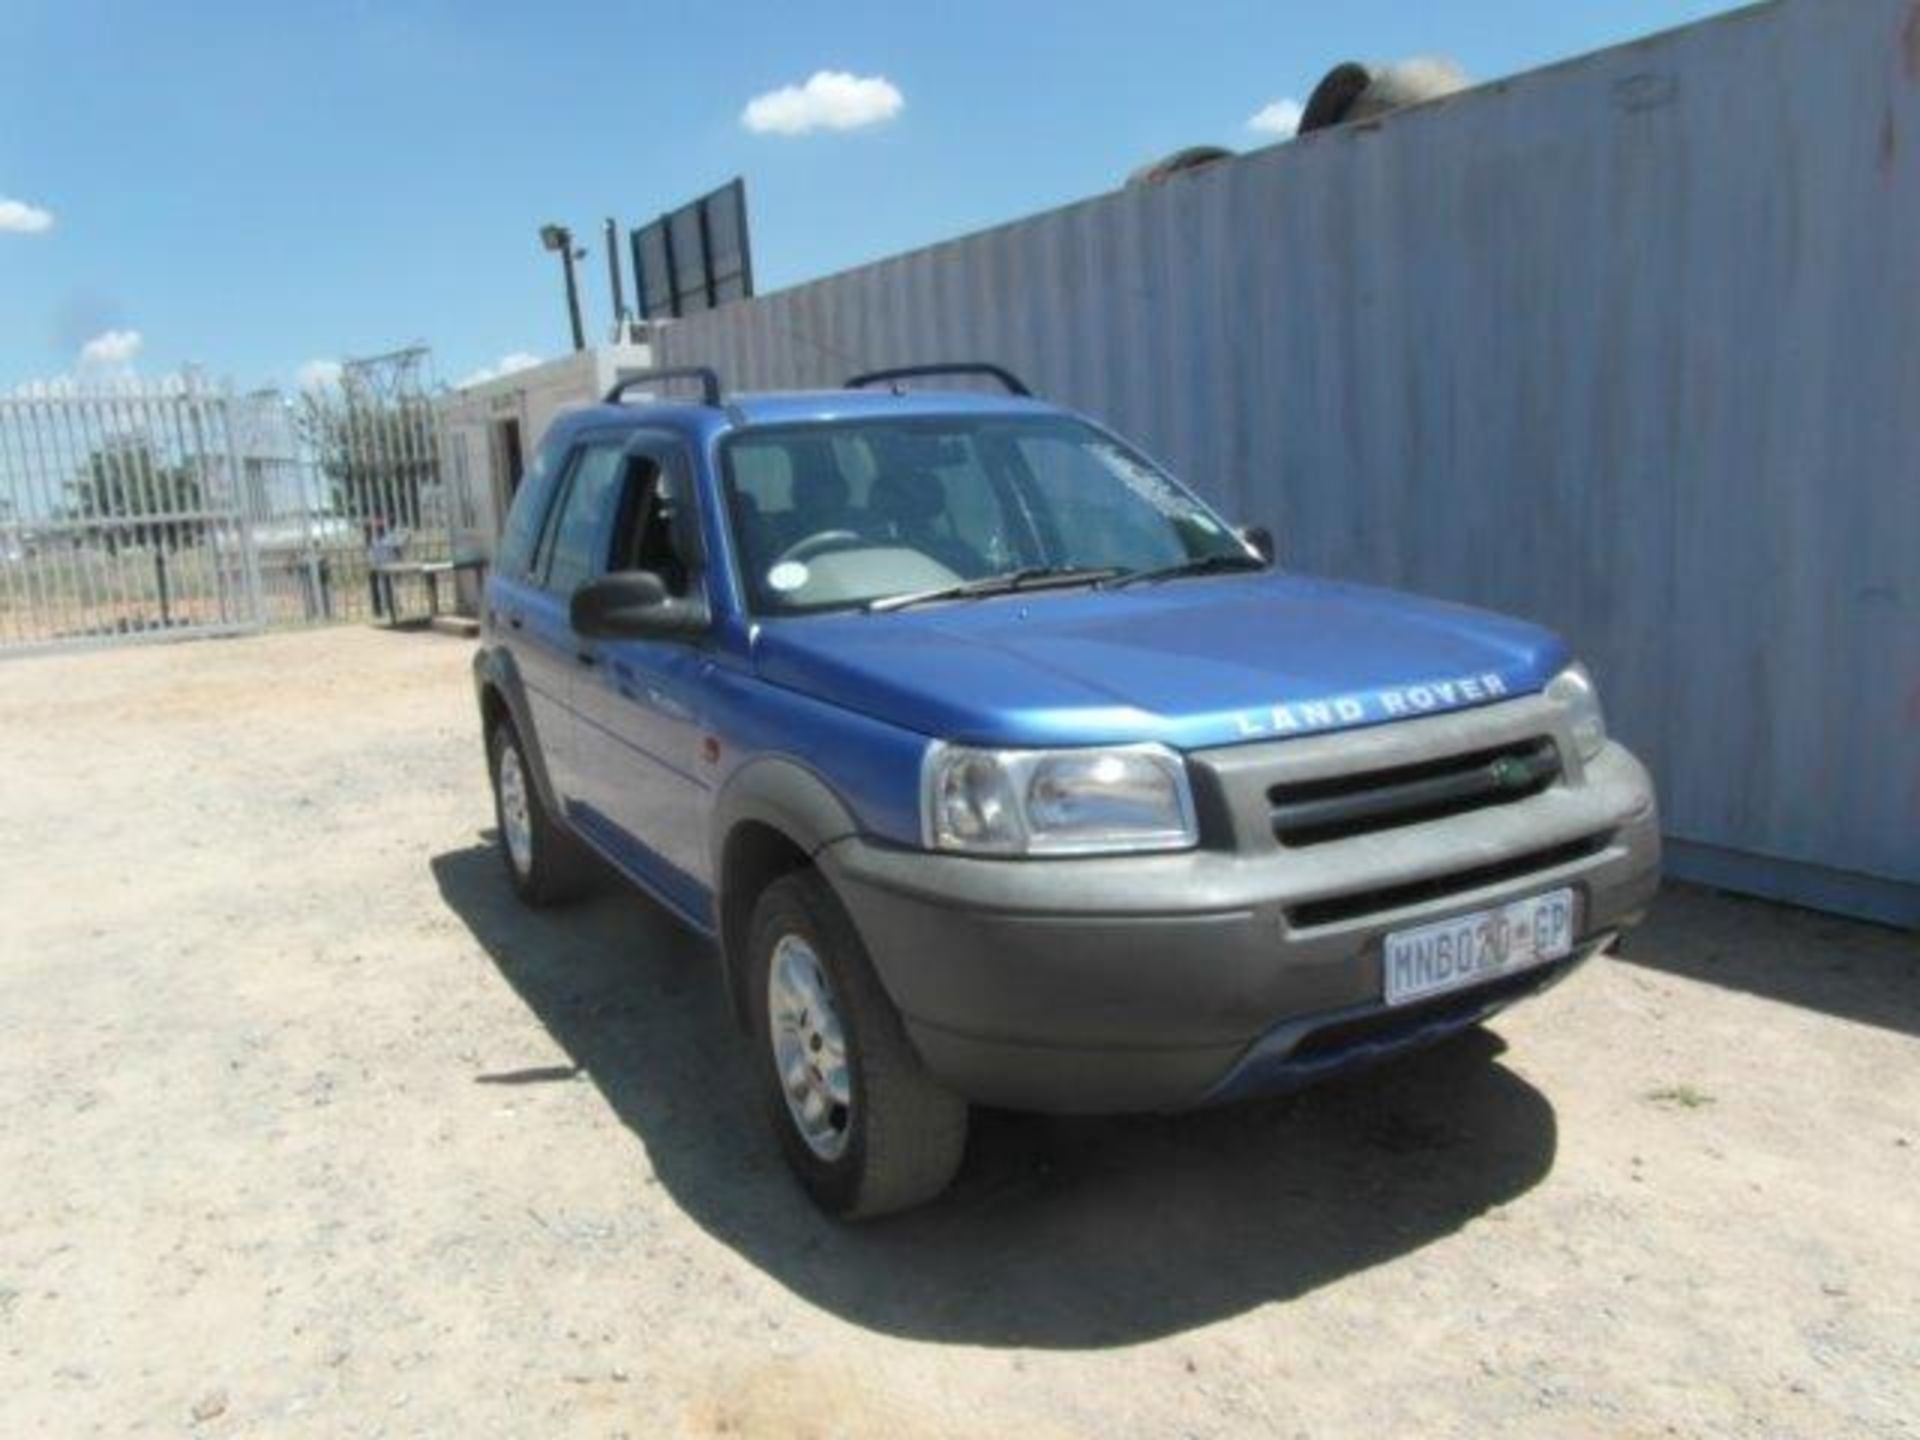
x,y
634,605
1260,538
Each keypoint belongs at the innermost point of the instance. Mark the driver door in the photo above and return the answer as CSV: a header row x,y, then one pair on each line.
x,y
643,793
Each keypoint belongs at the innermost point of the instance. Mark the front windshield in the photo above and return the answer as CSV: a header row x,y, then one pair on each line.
x,y
833,515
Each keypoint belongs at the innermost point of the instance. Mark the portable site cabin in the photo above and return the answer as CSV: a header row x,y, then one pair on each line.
x,y
490,428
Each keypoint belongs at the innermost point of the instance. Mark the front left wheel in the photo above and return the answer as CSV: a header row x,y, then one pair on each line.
x,y
864,1126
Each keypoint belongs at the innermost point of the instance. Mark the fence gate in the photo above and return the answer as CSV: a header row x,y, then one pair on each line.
x,y
338,475
122,515
169,508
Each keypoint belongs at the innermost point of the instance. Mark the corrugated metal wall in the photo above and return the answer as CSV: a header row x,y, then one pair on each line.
x,y
1630,345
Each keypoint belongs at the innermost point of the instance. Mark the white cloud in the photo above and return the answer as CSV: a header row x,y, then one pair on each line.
x,y
110,349
318,375
1282,117
505,365
21,218
830,100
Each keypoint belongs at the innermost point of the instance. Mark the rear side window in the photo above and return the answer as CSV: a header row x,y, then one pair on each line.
x,y
585,511
514,557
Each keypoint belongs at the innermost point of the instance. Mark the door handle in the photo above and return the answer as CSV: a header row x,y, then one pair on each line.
x,y
586,658
513,619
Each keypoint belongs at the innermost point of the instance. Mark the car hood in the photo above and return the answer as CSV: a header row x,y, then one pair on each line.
x,y
1191,663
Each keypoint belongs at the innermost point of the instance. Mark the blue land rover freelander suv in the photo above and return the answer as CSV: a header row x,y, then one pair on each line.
x,y
1005,772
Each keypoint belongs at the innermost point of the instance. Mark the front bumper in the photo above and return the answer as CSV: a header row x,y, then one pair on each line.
x,y
1160,982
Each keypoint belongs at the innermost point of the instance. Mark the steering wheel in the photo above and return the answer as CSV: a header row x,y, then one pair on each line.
x,y
813,545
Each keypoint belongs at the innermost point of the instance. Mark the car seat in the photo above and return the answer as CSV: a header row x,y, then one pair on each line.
x,y
909,507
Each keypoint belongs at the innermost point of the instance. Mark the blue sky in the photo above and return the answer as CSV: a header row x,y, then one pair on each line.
x,y
254,186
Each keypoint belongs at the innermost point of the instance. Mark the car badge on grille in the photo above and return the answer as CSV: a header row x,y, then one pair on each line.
x,y
1511,774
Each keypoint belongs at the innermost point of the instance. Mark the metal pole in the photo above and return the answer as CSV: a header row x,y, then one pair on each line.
x,y
573,296
615,279
160,583
222,403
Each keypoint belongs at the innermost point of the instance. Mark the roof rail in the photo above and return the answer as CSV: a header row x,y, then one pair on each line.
x,y
708,377
1015,385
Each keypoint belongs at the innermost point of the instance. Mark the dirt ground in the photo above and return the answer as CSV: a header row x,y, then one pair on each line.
x,y
309,1130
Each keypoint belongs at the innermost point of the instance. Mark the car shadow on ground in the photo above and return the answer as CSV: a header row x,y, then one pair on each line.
x,y
1853,970
1058,1233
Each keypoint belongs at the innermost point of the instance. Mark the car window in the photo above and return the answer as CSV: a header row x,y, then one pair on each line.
x,y
532,503
975,511
514,555
657,527
836,513
918,497
763,478
935,492
1089,493
581,516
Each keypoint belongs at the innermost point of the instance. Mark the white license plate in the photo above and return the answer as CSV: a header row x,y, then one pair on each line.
x,y
1469,949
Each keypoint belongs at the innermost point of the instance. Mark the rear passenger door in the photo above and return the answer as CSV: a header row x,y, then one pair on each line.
x,y
551,657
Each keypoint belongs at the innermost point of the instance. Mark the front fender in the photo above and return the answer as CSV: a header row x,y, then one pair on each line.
x,y
784,795
772,796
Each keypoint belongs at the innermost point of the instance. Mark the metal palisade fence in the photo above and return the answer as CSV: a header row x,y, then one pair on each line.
x,y
121,515
164,508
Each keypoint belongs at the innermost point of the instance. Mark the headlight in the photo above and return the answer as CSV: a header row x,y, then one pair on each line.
x,y
1056,802
1573,688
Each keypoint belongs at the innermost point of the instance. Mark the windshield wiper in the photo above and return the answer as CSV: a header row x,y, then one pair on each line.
x,y
1218,564
1033,577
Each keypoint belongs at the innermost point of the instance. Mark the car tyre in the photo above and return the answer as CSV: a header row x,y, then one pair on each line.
x,y
546,865
866,1129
